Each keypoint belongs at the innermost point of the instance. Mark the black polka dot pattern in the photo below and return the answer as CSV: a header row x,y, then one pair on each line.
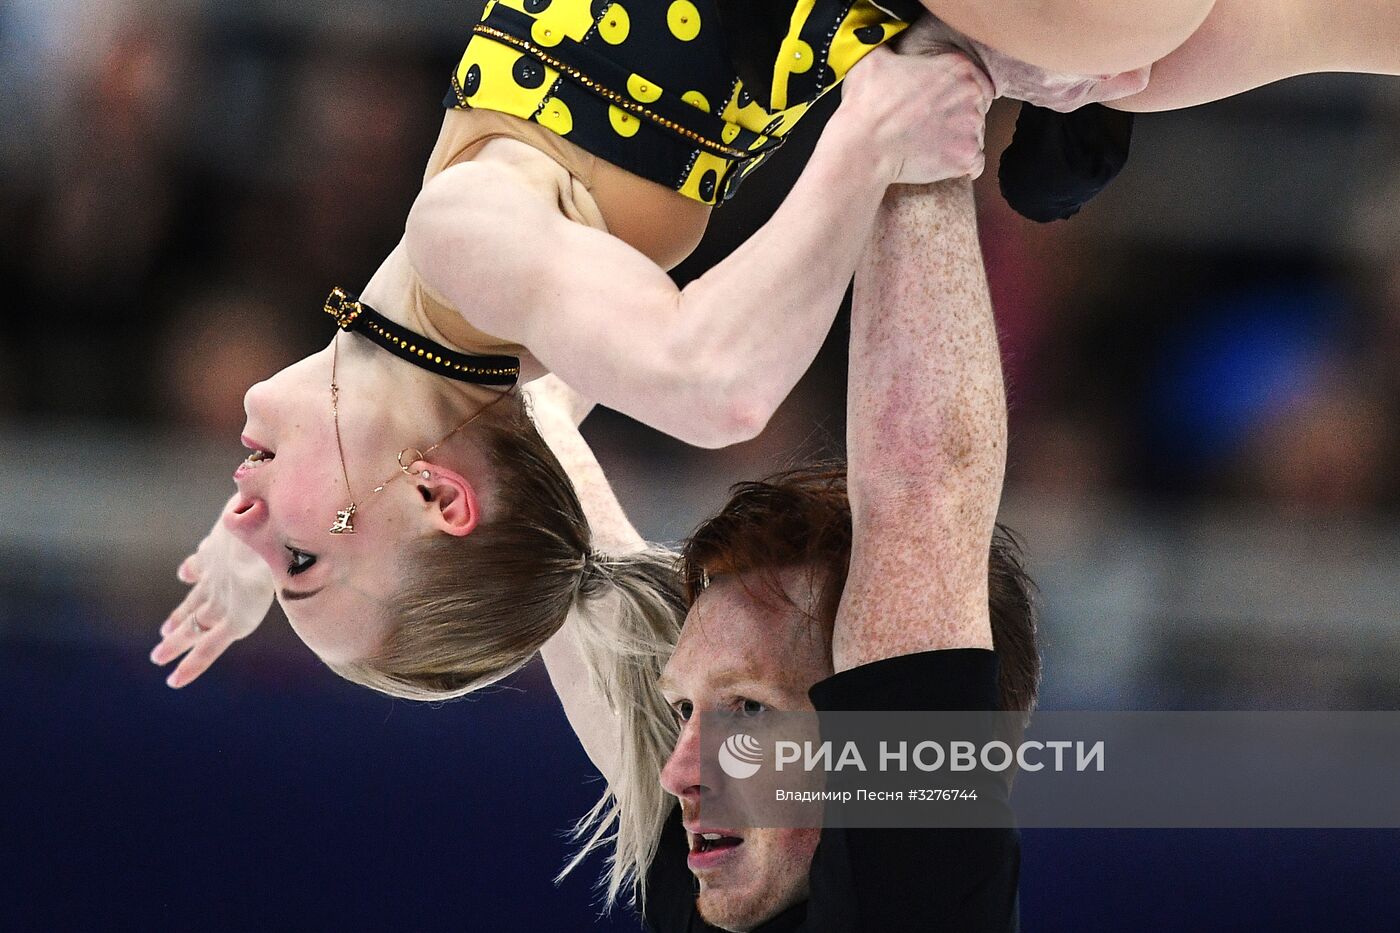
x,y
871,35
707,184
527,72
654,86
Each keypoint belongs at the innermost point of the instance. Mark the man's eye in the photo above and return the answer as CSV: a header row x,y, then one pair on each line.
x,y
684,710
752,707
300,562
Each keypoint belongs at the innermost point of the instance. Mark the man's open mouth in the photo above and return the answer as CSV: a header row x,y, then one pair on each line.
x,y
713,842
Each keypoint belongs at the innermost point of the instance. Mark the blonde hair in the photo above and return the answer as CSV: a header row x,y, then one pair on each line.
x,y
477,608
625,653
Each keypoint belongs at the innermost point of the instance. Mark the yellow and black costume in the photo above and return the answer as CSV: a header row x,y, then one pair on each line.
x,y
692,94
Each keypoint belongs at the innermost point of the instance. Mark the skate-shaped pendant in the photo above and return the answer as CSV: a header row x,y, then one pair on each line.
x,y
344,521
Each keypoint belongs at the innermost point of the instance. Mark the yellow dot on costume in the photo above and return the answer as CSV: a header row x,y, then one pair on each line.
x,y
623,122
696,99
614,25
797,56
729,132
683,19
556,117
642,89
545,33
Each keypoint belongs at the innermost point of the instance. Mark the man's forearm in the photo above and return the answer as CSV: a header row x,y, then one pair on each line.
x,y
926,393
926,433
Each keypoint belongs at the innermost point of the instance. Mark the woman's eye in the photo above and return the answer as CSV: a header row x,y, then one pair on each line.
x,y
300,562
752,707
684,710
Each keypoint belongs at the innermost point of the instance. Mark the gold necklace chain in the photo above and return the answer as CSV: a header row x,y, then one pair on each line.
x,y
345,518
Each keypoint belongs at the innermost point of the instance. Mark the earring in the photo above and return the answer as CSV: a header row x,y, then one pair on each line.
x,y
405,466
426,475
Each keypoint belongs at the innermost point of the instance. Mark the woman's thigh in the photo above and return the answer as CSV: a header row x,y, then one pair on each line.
x,y
1079,36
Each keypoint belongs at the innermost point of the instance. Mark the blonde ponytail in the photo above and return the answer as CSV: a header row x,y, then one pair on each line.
x,y
624,652
477,608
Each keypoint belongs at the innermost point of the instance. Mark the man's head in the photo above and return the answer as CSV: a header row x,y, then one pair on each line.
x,y
764,579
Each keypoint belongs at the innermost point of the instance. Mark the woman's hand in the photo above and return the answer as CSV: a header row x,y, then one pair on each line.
x,y
551,392
922,115
231,592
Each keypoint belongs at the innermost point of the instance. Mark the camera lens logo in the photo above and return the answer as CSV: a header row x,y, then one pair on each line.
x,y
740,756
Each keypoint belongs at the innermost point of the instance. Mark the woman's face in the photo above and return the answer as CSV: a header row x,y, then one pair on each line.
x,y
334,589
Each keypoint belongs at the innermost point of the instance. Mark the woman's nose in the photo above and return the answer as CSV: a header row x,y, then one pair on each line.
x,y
244,515
255,397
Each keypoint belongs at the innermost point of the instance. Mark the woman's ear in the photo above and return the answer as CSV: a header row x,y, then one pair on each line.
x,y
450,500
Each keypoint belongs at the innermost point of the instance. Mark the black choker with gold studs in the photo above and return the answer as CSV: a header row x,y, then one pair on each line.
x,y
351,314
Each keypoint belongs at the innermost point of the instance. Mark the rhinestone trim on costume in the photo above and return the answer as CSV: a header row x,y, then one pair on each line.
x,y
617,99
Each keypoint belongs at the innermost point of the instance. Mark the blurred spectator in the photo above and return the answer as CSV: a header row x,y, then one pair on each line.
x,y
214,347
1066,457
1329,451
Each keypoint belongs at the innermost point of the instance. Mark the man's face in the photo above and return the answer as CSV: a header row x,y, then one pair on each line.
x,y
745,650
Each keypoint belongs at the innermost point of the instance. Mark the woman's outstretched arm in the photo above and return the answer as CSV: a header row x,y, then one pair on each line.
x,y
708,363
1244,44
557,410
605,660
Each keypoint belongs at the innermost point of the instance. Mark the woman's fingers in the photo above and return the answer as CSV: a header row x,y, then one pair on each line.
x,y
179,633
206,650
188,571
172,646
180,615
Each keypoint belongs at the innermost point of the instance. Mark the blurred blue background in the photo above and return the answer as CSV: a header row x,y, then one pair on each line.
x,y
1204,371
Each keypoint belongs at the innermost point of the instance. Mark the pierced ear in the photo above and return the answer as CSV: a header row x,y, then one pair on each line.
x,y
450,500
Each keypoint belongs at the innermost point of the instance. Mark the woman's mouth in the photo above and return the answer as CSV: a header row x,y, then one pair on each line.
x,y
255,459
260,452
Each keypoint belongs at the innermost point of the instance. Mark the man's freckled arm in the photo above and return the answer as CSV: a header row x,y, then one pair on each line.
x,y
926,433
